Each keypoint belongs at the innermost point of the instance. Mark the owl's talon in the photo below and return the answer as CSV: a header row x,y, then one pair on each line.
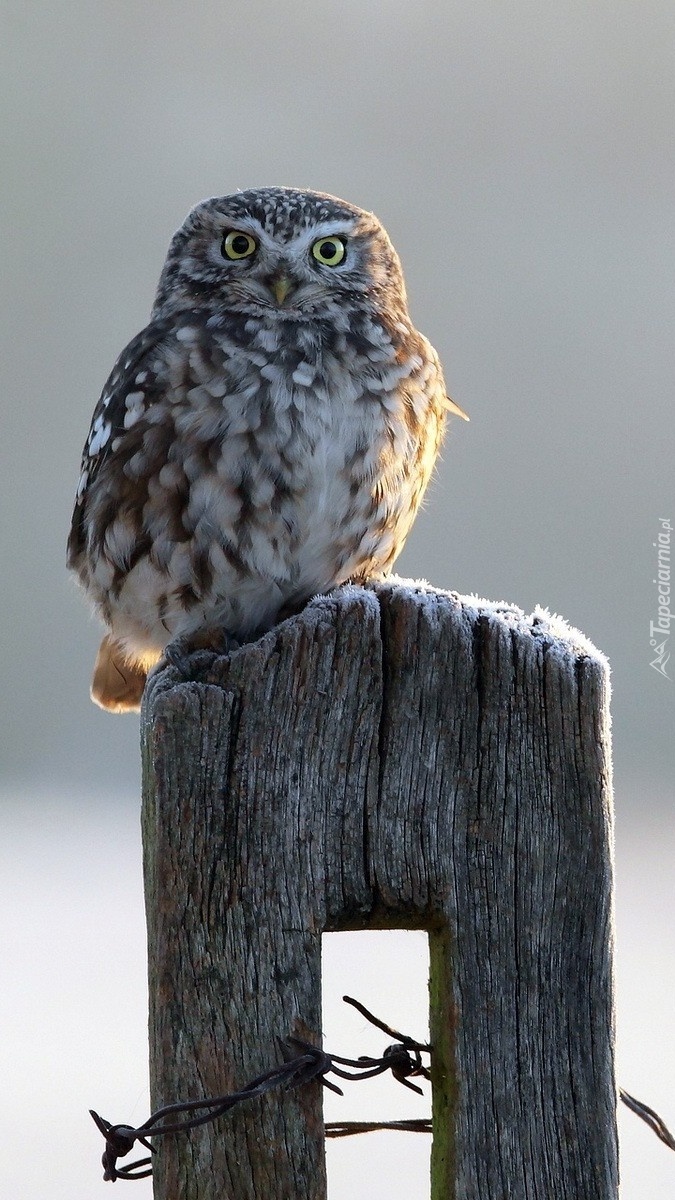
x,y
178,655
192,660
192,666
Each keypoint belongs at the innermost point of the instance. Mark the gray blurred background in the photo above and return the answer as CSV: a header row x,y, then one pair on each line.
x,y
522,158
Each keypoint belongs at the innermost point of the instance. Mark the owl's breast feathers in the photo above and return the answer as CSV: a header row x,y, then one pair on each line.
x,y
259,413
236,466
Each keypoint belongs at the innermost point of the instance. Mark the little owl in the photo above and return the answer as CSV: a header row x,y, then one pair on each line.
x,y
268,436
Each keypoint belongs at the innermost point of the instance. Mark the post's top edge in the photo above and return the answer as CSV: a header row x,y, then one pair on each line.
x,y
541,623
437,606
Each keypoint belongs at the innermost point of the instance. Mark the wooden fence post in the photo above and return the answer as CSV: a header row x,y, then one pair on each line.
x,y
392,757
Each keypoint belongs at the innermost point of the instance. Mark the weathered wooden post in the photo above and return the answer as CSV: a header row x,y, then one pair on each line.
x,y
392,757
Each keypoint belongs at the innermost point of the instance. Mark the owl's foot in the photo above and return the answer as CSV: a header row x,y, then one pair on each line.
x,y
193,654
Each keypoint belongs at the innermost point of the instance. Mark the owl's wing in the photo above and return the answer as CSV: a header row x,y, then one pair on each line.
x,y
131,371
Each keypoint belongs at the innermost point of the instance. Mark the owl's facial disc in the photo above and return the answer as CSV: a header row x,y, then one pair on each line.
x,y
294,274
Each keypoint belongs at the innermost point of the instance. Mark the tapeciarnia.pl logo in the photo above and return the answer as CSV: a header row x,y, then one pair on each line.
x,y
659,630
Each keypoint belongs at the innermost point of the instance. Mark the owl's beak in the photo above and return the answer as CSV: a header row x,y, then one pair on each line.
x,y
280,286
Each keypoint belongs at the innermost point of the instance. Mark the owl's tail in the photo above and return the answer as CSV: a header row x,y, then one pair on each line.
x,y
117,684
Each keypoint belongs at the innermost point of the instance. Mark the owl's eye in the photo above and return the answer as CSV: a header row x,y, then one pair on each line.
x,y
329,250
238,245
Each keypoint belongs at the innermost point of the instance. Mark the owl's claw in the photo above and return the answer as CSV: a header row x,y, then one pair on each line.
x,y
191,657
191,666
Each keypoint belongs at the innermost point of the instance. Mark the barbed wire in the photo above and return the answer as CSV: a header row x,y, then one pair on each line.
x,y
303,1063
339,1129
650,1117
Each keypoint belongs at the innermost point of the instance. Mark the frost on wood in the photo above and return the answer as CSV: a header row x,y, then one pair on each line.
x,y
394,756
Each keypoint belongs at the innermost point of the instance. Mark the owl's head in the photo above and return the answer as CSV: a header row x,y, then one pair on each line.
x,y
298,254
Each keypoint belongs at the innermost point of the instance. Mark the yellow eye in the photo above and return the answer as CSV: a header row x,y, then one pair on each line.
x,y
238,245
329,250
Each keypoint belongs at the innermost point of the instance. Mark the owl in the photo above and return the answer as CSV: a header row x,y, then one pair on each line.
x,y
268,436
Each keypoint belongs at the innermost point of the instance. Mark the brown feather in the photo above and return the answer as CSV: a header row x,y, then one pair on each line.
x,y
117,684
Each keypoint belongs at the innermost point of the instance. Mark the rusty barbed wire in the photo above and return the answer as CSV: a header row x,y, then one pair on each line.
x,y
339,1129
651,1118
120,1139
403,1059
303,1063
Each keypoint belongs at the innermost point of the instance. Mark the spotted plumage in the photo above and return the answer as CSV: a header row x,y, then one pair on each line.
x,y
267,436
